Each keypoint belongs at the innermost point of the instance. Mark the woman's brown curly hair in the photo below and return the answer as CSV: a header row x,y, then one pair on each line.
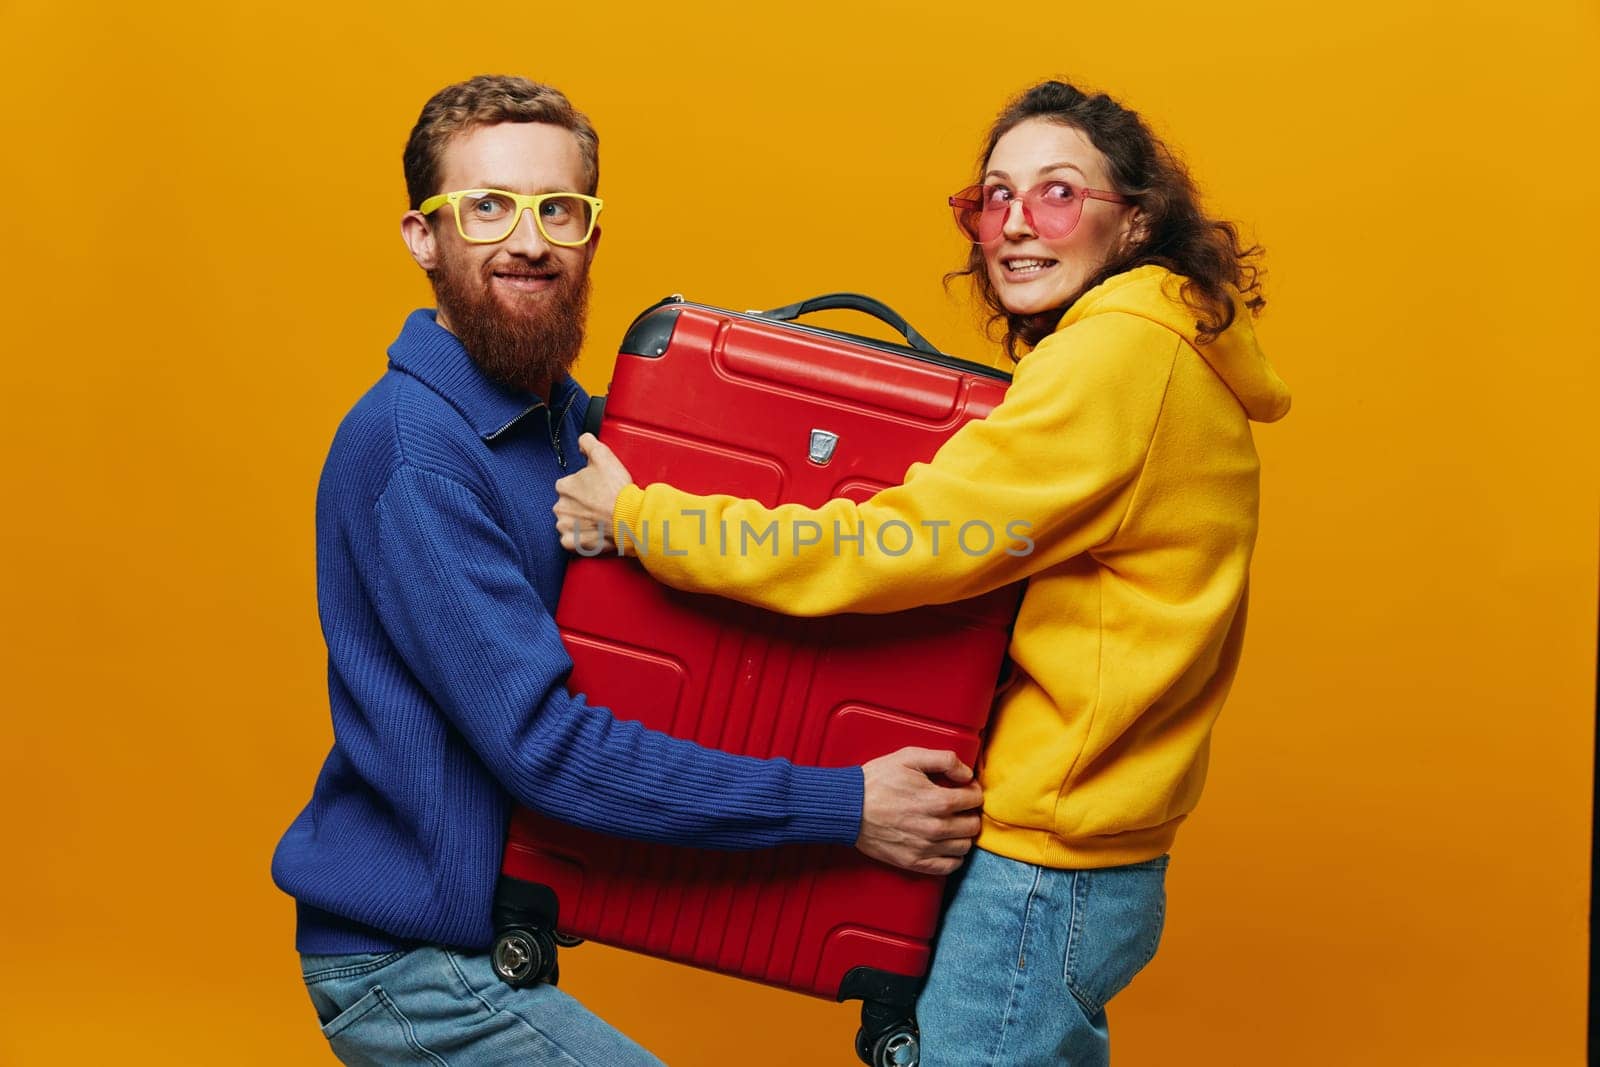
x,y
1175,233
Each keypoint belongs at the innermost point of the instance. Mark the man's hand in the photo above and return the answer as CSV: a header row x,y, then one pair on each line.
x,y
909,820
587,499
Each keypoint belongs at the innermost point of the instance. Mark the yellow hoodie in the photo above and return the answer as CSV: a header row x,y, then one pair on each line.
x,y
1125,448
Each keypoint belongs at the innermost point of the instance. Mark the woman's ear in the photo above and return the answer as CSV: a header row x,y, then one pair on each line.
x,y
1135,230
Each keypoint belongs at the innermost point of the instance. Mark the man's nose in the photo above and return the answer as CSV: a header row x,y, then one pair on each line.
x,y
526,238
1017,226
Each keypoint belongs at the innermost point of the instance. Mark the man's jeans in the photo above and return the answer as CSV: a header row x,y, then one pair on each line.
x,y
437,1006
1028,956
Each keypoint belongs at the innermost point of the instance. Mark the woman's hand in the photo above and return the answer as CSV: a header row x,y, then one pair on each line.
x,y
587,499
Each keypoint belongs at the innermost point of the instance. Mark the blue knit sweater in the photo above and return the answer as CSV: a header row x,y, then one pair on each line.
x,y
438,570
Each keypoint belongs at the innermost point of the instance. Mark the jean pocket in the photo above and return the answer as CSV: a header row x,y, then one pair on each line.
x,y
372,1031
1117,917
315,970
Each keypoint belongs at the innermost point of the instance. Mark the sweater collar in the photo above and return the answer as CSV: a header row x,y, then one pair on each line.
x,y
432,354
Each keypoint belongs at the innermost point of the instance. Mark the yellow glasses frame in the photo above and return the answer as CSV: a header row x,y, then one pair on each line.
x,y
524,202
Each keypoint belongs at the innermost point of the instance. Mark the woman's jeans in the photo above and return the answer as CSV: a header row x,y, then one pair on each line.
x,y
1028,956
437,1006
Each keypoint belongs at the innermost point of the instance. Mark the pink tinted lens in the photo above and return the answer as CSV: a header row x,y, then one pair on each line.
x,y
1054,209
967,206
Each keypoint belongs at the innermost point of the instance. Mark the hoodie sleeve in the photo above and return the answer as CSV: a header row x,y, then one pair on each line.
x,y
1048,475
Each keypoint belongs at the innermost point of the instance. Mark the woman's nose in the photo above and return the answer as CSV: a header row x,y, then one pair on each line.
x,y
1017,225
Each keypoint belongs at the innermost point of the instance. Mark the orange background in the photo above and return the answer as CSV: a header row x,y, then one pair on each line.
x,y
203,267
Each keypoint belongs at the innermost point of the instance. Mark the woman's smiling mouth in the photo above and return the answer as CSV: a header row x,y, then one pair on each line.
x,y
1023,268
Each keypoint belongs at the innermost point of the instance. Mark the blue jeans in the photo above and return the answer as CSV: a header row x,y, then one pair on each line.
x,y
437,1006
1028,956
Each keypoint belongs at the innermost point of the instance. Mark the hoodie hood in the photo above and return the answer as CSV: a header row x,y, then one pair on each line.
x,y
1152,292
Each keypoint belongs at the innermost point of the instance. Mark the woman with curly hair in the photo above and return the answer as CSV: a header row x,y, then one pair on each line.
x,y
1124,447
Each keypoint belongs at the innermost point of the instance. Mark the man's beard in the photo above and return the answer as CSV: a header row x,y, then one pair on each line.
x,y
526,343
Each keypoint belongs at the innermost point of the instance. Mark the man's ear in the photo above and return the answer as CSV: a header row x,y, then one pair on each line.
x,y
419,238
594,242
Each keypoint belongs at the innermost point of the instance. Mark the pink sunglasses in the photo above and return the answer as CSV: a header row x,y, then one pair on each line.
x,y
1052,209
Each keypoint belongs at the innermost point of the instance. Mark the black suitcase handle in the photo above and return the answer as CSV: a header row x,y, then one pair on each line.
x,y
594,415
854,302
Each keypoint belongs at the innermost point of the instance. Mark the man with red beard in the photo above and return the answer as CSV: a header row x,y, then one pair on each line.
x,y
438,570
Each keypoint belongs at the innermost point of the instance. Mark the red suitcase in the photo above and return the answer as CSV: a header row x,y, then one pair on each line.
x,y
755,405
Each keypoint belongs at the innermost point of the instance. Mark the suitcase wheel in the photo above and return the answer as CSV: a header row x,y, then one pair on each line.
x,y
896,1047
524,957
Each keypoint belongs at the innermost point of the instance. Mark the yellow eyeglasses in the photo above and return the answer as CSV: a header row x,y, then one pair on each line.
x,y
486,216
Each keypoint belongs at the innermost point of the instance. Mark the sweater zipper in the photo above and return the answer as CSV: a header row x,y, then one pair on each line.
x,y
555,422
